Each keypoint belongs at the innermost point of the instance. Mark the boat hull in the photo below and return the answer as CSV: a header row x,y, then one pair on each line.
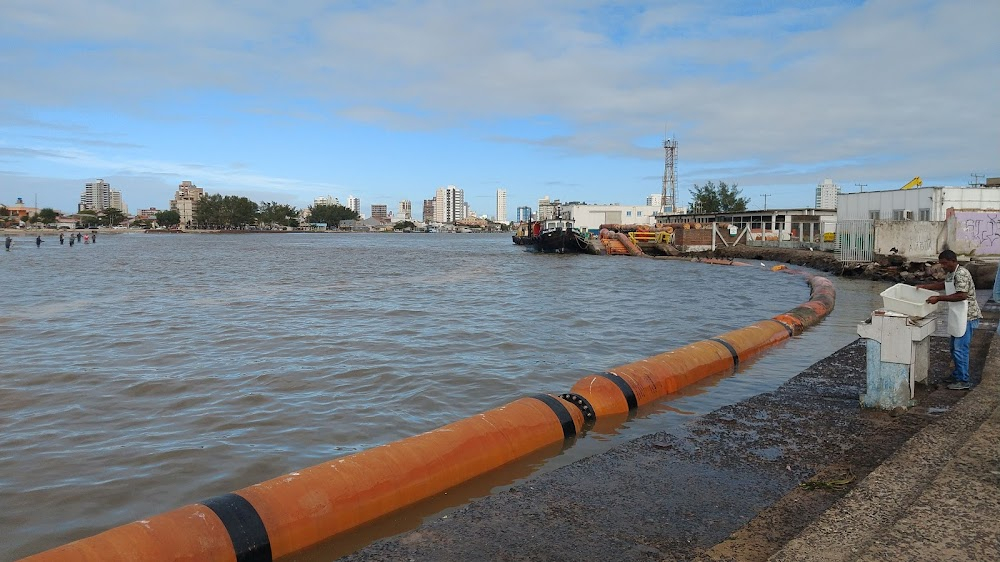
x,y
561,242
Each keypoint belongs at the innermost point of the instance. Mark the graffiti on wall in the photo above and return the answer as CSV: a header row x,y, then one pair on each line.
x,y
981,230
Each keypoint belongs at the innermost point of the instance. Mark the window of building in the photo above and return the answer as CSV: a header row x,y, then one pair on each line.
x,y
898,215
924,215
873,215
628,213
638,213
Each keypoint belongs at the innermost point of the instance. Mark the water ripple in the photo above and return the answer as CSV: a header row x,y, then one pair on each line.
x,y
181,367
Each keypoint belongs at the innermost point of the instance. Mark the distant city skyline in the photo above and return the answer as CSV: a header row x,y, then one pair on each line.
x,y
393,100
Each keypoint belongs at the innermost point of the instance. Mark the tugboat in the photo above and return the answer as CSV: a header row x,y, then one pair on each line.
x,y
527,233
559,236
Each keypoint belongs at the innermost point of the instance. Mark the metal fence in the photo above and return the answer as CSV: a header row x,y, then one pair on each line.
x,y
856,240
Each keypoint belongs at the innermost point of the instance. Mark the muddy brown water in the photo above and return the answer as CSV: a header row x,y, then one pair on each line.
x,y
147,372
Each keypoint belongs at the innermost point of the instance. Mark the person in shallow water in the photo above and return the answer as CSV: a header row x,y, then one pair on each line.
x,y
60,238
963,314
38,242
8,242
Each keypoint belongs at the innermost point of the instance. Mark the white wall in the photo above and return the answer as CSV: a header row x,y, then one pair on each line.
x,y
916,240
592,217
938,199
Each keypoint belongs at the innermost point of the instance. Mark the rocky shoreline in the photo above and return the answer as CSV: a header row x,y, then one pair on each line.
x,y
896,269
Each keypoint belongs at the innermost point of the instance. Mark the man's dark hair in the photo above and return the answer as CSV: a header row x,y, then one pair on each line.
x,y
948,255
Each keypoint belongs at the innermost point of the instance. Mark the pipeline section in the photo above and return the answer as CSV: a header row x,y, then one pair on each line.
x,y
292,512
628,386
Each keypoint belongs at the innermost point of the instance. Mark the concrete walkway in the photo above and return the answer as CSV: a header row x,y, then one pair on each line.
x,y
936,499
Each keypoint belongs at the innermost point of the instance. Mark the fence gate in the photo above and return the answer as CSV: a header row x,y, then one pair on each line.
x,y
856,240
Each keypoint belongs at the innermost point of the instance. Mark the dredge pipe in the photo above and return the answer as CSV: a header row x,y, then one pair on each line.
x,y
629,386
633,250
300,509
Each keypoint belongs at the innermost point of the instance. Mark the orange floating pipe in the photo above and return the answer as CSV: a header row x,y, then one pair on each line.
x,y
626,387
300,509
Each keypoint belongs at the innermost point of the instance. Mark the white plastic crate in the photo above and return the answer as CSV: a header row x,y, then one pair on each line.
x,y
908,300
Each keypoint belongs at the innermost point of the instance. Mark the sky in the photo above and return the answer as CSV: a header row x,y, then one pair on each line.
x,y
390,100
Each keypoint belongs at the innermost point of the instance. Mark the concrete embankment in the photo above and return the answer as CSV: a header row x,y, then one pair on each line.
x,y
743,482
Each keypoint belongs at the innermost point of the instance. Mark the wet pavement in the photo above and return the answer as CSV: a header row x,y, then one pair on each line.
x,y
801,473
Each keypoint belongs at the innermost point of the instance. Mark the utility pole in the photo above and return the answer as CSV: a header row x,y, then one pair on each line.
x,y
765,196
975,182
862,186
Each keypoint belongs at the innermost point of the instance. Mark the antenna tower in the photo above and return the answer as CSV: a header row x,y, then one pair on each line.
x,y
669,176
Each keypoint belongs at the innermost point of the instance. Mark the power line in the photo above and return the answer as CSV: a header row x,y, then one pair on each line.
x,y
862,186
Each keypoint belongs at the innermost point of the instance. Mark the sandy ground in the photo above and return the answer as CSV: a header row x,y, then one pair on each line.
x,y
736,484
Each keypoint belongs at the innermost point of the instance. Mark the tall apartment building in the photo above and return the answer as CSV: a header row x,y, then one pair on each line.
x,y
548,209
98,196
405,210
117,202
826,194
380,211
185,201
428,211
325,200
501,205
449,204
354,204
523,214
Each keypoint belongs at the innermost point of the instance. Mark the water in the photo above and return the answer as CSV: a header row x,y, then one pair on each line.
x,y
146,372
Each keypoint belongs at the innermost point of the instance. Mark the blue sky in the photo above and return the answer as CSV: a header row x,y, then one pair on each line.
x,y
389,100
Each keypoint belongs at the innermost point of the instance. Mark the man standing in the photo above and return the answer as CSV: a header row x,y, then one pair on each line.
x,y
963,314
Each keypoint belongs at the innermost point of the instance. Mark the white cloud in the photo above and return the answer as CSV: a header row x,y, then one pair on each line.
x,y
883,90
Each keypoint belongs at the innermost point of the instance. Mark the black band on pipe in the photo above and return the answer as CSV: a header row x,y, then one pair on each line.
x,y
246,530
622,385
732,350
568,425
791,332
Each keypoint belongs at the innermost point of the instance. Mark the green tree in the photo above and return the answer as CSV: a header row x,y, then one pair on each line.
x,y
47,215
87,219
231,211
277,214
113,216
331,214
721,199
168,218
403,225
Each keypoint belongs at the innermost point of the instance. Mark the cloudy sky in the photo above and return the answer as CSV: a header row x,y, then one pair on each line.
x,y
389,100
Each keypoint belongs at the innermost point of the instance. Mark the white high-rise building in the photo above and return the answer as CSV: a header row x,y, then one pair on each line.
x,y
405,210
354,204
325,200
501,205
826,194
96,196
117,202
449,204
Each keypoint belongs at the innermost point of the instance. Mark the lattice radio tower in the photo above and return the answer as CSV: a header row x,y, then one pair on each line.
x,y
669,176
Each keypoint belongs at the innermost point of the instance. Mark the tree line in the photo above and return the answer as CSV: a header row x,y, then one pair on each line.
x,y
232,212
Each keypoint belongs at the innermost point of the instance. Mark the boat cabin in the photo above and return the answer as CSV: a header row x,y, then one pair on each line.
x,y
556,225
